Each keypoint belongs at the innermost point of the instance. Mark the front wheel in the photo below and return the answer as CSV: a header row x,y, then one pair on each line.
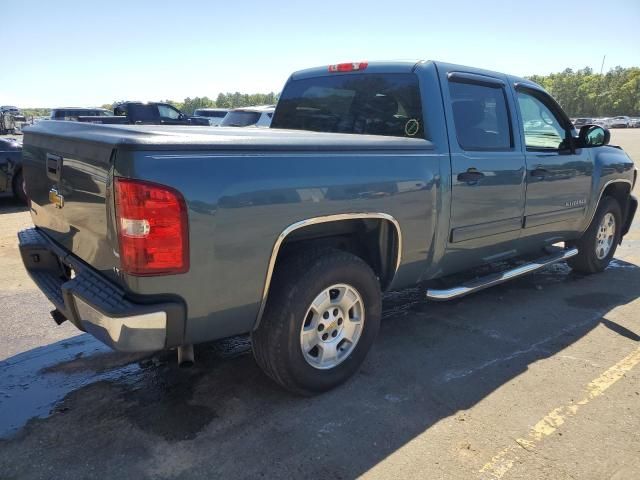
x,y
598,244
322,318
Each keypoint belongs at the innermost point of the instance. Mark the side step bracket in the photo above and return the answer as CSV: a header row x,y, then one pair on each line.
x,y
500,277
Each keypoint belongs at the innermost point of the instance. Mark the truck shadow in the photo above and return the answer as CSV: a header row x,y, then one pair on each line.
x,y
9,204
224,418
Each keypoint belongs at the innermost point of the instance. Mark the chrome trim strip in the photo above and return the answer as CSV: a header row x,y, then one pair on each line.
x,y
313,221
495,279
595,208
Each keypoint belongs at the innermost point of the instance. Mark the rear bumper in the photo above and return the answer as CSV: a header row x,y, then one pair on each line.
x,y
97,305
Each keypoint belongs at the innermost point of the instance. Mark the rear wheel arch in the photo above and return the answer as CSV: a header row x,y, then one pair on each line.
x,y
374,237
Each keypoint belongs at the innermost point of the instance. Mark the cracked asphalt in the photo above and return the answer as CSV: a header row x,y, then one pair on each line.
x,y
533,379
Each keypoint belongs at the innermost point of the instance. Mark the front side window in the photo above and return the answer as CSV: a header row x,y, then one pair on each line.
x,y
369,104
166,111
481,116
543,130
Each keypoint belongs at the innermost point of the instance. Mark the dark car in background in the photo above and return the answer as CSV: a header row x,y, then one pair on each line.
x,y
11,180
145,113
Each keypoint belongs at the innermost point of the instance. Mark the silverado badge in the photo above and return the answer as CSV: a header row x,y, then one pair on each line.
x,y
576,203
56,198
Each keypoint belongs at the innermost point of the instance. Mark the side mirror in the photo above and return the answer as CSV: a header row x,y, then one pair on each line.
x,y
594,136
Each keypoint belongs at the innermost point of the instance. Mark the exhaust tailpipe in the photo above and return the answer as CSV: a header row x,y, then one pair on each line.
x,y
185,356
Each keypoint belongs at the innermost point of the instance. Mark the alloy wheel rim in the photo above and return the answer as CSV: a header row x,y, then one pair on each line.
x,y
605,236
332,326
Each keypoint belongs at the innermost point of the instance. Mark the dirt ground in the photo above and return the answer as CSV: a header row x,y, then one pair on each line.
x,y
534,379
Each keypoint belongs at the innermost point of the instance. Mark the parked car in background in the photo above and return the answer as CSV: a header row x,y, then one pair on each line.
x,y
634,122
11,179
11,120
372,177
10,109
214,115
72,113
621,121
581,122
602,122
258,116
146,113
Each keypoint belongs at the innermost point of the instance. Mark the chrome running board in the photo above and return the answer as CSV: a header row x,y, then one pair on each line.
x,y
500,277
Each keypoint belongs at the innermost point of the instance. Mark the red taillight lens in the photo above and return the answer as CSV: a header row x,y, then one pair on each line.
x,y
348,67
152,227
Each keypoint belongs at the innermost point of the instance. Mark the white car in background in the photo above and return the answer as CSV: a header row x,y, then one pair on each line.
x,y
258,116
634,122
620,122
214,115
603,122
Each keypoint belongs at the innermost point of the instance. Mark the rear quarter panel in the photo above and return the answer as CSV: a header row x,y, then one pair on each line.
x,y
240,203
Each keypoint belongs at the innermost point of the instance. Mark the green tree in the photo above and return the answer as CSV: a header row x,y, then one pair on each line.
x,y
584,93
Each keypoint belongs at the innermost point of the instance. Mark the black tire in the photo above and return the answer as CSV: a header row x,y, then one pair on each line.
x,y
18,188
297,282
587,260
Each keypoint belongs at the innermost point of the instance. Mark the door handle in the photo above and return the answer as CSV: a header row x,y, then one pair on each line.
x,y
539,173
471,176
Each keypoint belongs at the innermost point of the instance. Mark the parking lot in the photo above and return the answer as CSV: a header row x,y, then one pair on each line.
x,y
534,379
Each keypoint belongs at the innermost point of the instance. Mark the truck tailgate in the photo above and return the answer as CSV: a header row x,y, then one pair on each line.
x,y
68,184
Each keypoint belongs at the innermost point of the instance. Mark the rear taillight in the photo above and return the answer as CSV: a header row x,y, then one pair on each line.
x,y
153,229
348,67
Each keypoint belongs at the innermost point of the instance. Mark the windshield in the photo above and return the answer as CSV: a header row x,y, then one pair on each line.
x,y
240,118
373,104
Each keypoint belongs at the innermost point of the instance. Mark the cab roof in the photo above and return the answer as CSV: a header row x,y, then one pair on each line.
x,y
405,66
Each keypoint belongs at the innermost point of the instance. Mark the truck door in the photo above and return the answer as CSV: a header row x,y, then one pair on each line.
x,y
488,167
558,174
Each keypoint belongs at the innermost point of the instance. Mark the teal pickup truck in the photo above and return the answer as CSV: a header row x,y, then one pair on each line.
x,y
372,177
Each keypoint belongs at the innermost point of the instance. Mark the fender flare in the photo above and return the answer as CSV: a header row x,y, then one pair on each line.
x,y
314,221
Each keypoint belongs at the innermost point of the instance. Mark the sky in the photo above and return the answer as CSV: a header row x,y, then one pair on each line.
x,y
87,53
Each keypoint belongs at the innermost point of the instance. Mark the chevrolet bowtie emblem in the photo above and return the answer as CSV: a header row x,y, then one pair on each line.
x,y
56,198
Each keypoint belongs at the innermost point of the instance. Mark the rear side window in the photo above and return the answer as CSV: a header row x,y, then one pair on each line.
x,y
142,112
371,104
481,116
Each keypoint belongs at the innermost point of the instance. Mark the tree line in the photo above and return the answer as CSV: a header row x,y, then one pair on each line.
x,y
583,93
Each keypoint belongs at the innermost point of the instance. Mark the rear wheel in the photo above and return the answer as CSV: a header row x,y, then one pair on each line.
x,y
598,244
321,319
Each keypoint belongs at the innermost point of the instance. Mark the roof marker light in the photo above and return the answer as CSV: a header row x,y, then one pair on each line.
x,y
348,67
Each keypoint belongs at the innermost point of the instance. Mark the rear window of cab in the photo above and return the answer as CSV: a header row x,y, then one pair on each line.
x,y
366,104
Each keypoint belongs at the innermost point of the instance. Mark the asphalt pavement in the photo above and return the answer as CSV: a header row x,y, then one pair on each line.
x,y
533,379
